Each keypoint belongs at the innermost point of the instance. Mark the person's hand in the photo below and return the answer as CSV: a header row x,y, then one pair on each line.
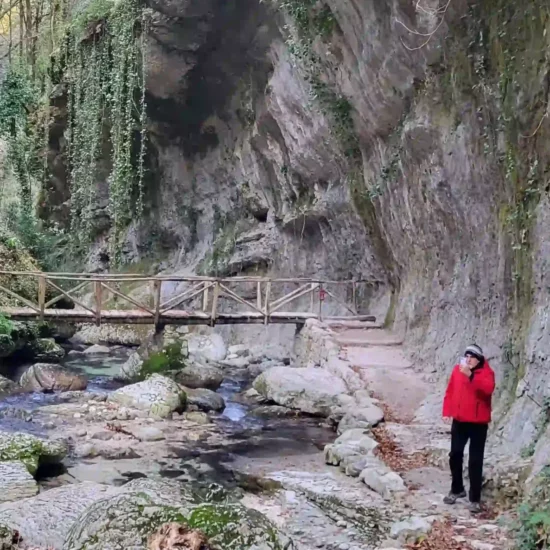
x,y
447,419
466,370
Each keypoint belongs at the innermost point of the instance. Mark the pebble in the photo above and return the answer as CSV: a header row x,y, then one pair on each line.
x,y
77,415
344,546
81,433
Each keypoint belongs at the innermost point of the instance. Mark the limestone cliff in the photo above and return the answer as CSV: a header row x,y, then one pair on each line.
x,y
396,141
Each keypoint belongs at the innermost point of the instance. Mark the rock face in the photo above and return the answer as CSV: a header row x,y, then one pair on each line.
x,y
197,375
369,162
158,396
30,450
16,482
45,377
310,390
127,519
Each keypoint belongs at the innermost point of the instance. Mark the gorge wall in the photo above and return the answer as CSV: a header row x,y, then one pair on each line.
x,y
400,142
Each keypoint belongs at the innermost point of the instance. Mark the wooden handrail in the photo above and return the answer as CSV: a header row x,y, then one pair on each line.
x,y
259,302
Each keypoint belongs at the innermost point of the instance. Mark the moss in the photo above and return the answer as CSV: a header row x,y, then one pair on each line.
x,y
29,450
169,360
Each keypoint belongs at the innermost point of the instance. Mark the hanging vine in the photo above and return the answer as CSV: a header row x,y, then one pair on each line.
x,y
107,93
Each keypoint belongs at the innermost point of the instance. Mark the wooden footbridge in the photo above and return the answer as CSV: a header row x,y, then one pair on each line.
x,y
178,300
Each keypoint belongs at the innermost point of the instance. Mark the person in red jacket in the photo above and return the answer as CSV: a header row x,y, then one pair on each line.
x,y
468,403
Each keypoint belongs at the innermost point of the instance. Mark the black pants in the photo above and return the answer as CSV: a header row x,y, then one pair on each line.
x,y
477,434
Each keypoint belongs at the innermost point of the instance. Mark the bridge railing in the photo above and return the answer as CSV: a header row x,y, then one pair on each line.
x,y
174,299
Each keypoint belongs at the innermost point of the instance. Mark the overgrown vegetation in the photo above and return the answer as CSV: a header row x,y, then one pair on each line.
x,y
6,326
170,359
107,93
96,55
533,525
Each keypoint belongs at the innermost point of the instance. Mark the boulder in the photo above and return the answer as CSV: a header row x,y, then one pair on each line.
x,y
45,377
47,350
197,417
210,347
148,433
97,349
205,400
352,451
365,417
411,529
44,520
382,480
239,350
309,390
7,387
127,519
123,335
62,331
32,451
198,375
16,482
158,396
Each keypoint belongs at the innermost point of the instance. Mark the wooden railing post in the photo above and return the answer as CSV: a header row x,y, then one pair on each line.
x,y
354,295
42,296
267,298
259,294
312,297
205,298
321,300
157,285
214,310
98,293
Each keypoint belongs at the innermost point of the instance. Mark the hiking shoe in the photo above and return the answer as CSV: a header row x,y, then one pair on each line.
x,y
475,508
451,498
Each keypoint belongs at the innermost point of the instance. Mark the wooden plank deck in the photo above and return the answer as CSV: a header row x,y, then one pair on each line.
x,y
173,317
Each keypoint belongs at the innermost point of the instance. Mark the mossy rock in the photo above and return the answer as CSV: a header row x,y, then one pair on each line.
x,y
16,258
46,350
30,450
128,519
7,345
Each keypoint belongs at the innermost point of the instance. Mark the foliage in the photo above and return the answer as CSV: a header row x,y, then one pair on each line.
x,y
106,77
6,326
532,528
169,359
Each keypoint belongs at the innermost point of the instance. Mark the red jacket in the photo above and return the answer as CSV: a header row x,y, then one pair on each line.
x,y
468,399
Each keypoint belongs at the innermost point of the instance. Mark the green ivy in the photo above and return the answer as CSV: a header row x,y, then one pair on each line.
x,y
107,94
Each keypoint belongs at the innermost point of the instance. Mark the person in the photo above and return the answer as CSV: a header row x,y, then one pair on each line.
x,y
467,403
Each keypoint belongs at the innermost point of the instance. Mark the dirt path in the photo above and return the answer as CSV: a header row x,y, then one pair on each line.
x,y
417,446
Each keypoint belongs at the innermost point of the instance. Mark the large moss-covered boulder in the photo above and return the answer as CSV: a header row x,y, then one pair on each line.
x,y
158,396
46,350
32,451
44,520
127,519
